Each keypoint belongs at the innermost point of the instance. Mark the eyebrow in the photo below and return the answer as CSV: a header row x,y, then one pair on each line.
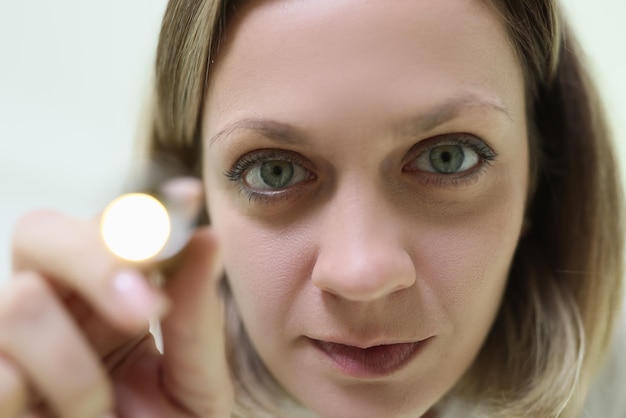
x,y
450,110
289,134
278,131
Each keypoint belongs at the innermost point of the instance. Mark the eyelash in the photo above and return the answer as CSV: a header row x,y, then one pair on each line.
x,y
237,171
485,154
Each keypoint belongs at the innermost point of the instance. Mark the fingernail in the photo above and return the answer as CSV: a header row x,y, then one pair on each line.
x,y
139,298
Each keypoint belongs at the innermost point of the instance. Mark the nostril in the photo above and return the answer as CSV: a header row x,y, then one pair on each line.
x,y
364,278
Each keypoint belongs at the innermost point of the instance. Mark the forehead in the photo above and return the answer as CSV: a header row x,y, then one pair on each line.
x,y
350,54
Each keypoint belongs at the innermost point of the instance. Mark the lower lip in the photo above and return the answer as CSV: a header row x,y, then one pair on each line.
x,y
374,362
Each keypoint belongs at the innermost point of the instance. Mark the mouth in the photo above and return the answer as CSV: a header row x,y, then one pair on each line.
x,y
372,362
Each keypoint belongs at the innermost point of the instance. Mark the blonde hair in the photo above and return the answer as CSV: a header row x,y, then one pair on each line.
x,y
565,287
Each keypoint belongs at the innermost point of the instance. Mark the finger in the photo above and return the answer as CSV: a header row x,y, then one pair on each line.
x,y
104,338
13,391
71,252
193,332
140,368
40,338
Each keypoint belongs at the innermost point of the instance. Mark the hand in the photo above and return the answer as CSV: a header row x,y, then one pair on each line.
x,y
74,340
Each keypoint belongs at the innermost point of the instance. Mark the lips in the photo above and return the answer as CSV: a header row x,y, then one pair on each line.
x,y
376,361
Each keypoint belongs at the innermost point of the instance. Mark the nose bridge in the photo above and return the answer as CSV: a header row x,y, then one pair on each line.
x,y
357,211
362,256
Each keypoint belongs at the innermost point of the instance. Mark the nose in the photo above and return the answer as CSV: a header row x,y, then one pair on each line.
x,y
361,255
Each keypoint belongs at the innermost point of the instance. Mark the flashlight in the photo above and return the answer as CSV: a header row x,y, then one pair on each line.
x,y
155,223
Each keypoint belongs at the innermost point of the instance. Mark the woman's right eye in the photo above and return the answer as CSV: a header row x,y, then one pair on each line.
x,y
269,173
273,175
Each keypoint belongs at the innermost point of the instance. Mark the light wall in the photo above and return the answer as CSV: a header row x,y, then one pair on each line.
x,y
73,74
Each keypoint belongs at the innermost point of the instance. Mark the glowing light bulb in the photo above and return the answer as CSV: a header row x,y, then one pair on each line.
x,y
135,226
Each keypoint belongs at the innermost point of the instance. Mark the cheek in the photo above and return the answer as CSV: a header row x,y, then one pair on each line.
x,y
267,269
463,263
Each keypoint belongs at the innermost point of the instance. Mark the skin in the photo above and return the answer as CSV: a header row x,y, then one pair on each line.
x,y
369,247
74,339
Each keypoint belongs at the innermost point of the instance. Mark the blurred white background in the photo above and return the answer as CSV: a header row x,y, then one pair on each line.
x,y
74,74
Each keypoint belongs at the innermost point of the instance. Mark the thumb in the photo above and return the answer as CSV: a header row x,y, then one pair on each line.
x,y
195,371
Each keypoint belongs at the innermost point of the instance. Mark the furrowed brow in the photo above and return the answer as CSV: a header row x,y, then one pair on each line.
x,y
288,134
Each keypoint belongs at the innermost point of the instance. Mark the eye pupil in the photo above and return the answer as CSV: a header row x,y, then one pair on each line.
x,y
447,159
277,173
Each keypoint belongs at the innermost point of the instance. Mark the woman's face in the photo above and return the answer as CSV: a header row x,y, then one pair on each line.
x,y
366,170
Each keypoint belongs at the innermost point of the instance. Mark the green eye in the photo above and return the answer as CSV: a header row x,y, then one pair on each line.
x,y
273,174
277,173
446,159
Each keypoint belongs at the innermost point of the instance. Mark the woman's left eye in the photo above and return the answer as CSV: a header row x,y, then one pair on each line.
x,y
272,175
449,158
